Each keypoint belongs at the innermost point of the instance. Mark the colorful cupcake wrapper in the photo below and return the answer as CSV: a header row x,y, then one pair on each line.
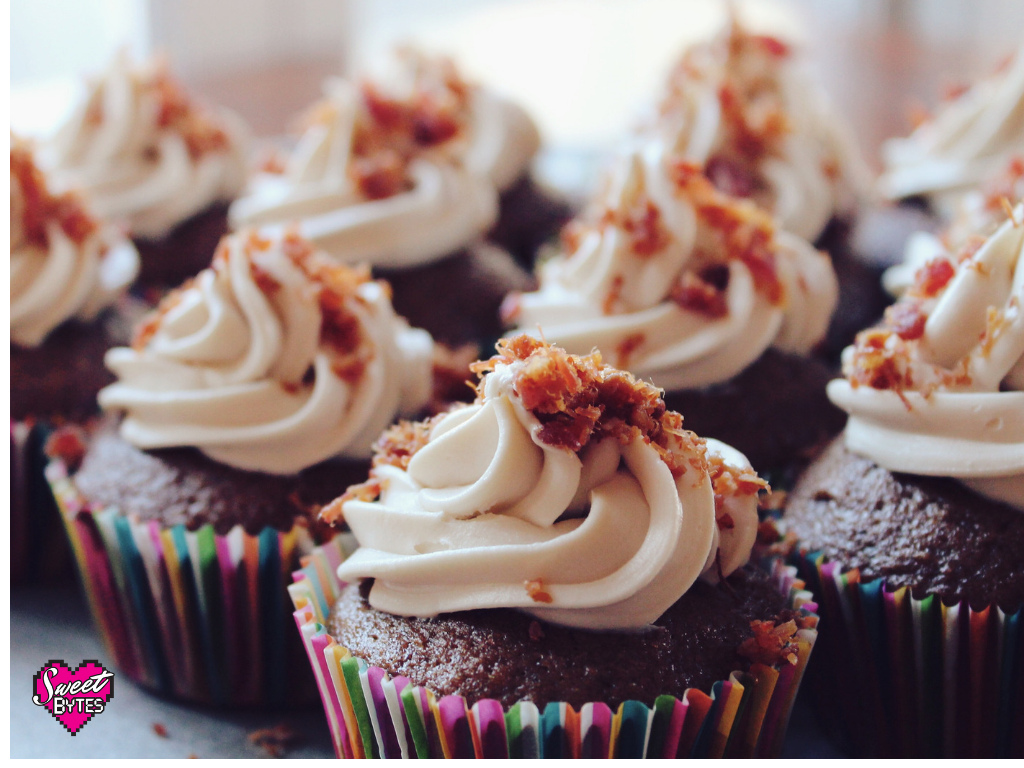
x,y
909,677
190,614
373,715
39,548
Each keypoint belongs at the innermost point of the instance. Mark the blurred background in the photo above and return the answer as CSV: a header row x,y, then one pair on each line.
x,y
584,68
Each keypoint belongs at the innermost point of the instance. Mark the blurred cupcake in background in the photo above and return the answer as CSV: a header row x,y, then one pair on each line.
x,y
156,160
69,272
250,397
912,523
699,292
747,109
406,174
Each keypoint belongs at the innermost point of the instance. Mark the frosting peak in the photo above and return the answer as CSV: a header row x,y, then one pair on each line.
x,y
64,263
566,490
937,389
396,172
146,153
741,105
274,359
677,280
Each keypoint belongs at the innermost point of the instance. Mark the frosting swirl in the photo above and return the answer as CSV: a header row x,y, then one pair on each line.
x,y
145,153
937,390
968,141
64,263
511,502
678,281
397,177
743,107
271,360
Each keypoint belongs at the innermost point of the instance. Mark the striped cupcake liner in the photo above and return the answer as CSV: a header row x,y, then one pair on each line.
x,y
899,676
190,614
39,547
373,715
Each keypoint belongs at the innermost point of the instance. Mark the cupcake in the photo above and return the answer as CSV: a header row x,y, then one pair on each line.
x,y
152,158
912,522
250,398
699,292
69,272
564,546
407,175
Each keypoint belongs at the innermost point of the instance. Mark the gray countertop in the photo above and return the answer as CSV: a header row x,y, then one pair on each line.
x,y
53,623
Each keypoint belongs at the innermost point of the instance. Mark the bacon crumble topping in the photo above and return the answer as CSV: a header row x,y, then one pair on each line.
x,y
774,641
40,207
201,131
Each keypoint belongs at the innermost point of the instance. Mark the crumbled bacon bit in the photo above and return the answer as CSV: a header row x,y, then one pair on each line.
x,y
1006,186
730,177
728,480
614,293
571,236
692,293
150,324
627,347
40,207
536,631
773,45
263,279
400,442
369,490
932,278
201,132
68,443
380,175
906,319
642,223
877,362
953,91
535,589
272,162
160,730
996,323
772,643
275,740
724,521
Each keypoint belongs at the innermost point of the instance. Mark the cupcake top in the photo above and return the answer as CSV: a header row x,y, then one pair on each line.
x,y
147,153
274,359
937,388
399,171
566,490
742,106
973,135
678,281
64,262
976,215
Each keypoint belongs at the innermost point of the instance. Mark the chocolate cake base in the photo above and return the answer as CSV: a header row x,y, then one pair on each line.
x,y
184,251
183,486
59,379
457,298
510,656
933,535
529,217
776,411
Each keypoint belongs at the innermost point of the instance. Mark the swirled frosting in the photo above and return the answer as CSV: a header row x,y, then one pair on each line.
x,y
64,263
145,153
742,106
274,359
677,281
977,215
566,491
396,177
937,390
970,139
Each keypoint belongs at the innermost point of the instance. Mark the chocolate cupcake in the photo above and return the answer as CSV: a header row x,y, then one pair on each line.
x,y
406,177
69,272
250,397
153,159
912,523
748,110
702,294
560,542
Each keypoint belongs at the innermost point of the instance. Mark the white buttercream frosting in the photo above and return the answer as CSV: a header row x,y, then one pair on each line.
x,y
938,390
622,287
398,176
147,155
744,106
273,360
489,513
969,140
64,263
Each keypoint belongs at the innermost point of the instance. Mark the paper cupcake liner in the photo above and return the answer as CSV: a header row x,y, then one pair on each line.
x,y
898,676
373,715
39,547
190,614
